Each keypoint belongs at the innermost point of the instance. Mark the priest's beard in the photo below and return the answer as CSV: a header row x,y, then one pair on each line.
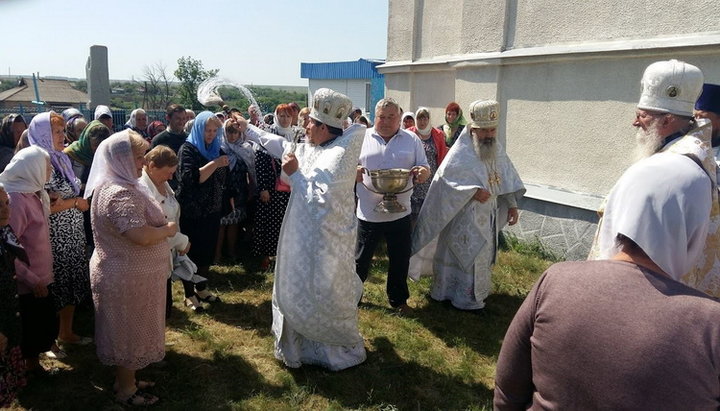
x,y
485,149
648,142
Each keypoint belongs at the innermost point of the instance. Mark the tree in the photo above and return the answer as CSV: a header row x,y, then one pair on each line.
x,y
191,73
157,91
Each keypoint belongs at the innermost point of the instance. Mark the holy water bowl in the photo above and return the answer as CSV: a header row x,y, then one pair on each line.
x,y
389,182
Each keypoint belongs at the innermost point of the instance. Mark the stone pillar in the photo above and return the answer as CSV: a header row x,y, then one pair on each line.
x,y
97,76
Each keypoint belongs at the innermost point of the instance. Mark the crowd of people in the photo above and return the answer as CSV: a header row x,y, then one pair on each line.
x,y
156,203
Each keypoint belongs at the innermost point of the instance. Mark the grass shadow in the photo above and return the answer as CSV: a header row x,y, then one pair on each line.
x,y
244,315
381,382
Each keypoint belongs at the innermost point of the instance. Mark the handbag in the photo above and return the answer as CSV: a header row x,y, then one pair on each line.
x,y
280,185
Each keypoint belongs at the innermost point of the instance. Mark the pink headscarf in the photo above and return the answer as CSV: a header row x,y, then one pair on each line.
x,y
114,162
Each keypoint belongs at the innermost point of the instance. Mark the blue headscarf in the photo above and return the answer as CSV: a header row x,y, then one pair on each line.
x,y
197,136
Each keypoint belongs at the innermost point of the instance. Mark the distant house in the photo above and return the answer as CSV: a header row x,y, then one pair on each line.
x,y
358,80
57,95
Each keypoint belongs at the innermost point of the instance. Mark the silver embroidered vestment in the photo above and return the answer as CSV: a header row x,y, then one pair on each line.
x,y
466,230
316,290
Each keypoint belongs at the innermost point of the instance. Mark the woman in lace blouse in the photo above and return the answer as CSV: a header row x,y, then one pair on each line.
x,y
129,266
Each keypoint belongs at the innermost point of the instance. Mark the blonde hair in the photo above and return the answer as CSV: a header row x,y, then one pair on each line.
x,y
162,156
137,143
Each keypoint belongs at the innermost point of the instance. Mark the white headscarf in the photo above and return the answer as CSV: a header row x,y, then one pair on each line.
x,y
114,162
132,121
662,203
404,116
101,111
27,173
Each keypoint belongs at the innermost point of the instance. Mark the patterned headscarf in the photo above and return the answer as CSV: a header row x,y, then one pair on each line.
x,y
81,150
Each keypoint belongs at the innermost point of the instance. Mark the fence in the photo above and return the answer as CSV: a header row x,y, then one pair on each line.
x,y
120,117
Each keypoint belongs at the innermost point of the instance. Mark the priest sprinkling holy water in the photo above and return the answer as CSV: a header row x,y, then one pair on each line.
x,y
316,291
473,195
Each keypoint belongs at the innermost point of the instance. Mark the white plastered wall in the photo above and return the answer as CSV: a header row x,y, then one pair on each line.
x,y
566,75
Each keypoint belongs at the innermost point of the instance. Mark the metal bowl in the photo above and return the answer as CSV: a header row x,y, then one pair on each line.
x,y
390,180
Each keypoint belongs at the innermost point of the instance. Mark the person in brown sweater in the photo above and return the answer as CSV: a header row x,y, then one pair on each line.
x,y
623,333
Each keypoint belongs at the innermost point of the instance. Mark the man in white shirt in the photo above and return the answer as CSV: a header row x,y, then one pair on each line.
x,y
387,146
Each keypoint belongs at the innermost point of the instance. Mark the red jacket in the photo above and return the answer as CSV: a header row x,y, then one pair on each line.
x,y
438,138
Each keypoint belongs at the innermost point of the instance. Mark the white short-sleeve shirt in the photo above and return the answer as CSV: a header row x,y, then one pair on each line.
x,y
404,150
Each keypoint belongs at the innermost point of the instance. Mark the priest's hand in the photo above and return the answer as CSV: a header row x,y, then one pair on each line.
x,y
239,121
289,163
512,216
481,195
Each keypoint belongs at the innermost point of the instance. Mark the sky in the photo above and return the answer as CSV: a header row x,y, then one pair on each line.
x,y
259,42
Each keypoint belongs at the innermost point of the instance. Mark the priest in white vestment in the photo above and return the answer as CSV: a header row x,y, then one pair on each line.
x,y
665,124
316,290
472,196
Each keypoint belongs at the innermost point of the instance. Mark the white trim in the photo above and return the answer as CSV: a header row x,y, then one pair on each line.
x,y
559,196
580,51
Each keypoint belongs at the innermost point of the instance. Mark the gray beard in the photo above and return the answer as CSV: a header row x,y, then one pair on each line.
x,y
485,151
648,142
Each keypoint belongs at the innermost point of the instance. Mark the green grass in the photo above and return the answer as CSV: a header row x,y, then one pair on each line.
x,y
441,358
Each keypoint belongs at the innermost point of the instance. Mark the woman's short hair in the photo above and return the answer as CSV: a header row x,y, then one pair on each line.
x,y
452,106
162,156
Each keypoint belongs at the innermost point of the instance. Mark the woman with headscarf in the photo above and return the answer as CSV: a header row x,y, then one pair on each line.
x,y
408,120
624,332
11,129
75,123
282,125
24,180
433,141
67,234
128,268
201,184
240,179
273,197
81,152
454,123
155,128
138,123
12,368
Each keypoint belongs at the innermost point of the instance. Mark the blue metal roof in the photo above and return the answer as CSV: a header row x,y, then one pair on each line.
x,y
362,68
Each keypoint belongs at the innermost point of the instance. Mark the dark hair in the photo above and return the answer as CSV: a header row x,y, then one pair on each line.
x,y
174,108
333,130
6,134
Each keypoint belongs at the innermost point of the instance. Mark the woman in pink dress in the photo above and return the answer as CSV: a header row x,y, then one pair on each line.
x,y
129,266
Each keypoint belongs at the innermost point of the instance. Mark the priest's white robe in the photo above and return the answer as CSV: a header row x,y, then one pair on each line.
x,y
705,274
466,230
316,290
